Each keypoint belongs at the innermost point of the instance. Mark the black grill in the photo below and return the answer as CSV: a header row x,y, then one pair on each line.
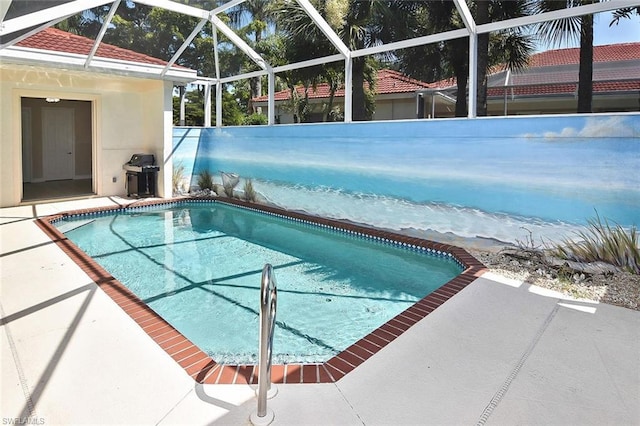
x,y
142,175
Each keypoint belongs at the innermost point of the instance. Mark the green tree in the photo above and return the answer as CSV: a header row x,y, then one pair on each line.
x,y
86,23
301,40
194,109
232,111
233,114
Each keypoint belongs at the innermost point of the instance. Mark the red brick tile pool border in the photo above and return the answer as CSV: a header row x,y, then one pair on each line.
x,y
202,368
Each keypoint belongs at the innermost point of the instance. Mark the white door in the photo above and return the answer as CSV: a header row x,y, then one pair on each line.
x,y
58,136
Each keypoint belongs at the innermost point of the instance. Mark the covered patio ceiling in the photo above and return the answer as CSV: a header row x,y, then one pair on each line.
x,y
20,19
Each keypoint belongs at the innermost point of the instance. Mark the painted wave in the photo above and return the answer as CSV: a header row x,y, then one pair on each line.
x,y
403,215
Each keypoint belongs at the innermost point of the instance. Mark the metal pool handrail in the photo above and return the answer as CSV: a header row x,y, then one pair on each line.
x,y
268,303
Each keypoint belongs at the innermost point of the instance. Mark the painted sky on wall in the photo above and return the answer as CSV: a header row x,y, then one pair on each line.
x,y
552,169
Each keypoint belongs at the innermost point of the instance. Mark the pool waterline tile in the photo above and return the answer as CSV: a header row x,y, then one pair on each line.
x,y
201,367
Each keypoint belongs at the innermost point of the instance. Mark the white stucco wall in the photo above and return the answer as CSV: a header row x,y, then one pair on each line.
x,y
130,115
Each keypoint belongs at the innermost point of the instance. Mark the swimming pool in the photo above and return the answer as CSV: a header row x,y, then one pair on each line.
x,y
198,266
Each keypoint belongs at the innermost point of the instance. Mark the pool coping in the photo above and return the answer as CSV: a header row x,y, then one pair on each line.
x,y
200,366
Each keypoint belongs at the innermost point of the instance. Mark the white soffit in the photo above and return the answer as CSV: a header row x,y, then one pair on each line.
x,y
28,56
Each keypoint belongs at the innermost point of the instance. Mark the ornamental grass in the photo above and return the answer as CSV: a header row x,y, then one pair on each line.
x,y
205,180
603,242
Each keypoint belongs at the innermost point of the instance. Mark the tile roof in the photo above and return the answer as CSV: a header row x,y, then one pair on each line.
x,y
53,39
564,88
388,82
615,67
571,56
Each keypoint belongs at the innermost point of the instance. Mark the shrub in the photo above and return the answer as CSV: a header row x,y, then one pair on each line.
x,y
249,192
205,180
602,242
256,119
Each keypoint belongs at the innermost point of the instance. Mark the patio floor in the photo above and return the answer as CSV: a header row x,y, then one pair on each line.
x,y
499,352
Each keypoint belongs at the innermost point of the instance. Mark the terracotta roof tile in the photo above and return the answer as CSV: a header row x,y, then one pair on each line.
x,y
571,76
444,84
388,82
57,40
571,56
550,89
556,71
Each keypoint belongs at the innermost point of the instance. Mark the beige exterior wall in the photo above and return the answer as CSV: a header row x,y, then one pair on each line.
x,y
128,115
395,108
388,107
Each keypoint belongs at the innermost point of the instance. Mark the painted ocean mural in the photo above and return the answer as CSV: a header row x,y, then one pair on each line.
x,y
491,177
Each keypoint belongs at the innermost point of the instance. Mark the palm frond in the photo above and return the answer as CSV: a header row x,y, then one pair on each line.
x,y
560,31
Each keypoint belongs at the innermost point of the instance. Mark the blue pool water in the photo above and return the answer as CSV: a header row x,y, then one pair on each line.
x,y
198,265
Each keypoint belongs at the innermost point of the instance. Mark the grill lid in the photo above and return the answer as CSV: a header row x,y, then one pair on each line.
x,y
141,163
142,160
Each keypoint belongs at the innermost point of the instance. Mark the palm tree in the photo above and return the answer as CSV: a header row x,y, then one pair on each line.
x,y
482,17
356,34
359,24
303,40
253,18
366,24
451,58
510,47
625,12
564,30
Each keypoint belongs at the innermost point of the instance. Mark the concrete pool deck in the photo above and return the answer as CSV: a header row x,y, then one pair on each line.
x,y
499,352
